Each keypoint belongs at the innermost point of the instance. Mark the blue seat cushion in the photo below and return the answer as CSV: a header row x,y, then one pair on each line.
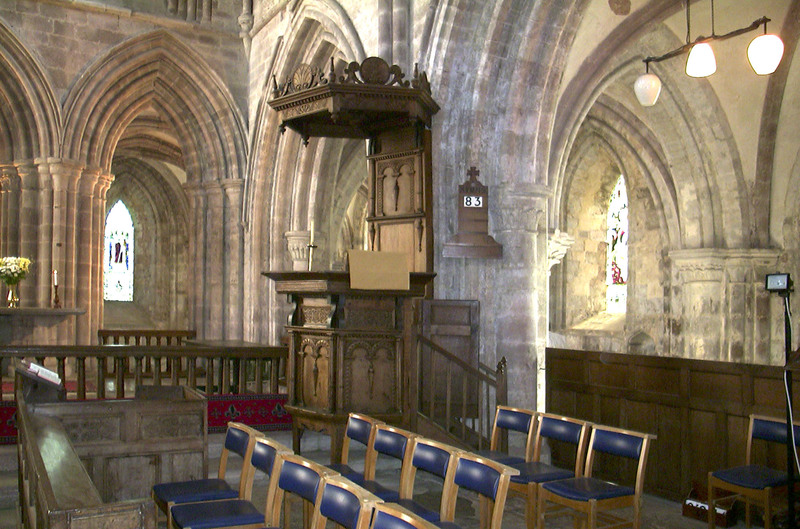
x,y
419,510
212,514
384,493
192,491
585,489
537,472
348,472
500,457
752,476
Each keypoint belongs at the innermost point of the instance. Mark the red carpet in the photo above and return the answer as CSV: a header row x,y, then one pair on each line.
x,y
262,412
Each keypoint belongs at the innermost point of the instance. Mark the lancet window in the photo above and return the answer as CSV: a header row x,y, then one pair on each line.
x,y
118,255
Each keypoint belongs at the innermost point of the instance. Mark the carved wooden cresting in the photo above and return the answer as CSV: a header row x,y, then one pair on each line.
x,y
373,101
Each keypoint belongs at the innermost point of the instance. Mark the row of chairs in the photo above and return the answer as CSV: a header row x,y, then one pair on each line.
x,y
359,503
551,490
456,470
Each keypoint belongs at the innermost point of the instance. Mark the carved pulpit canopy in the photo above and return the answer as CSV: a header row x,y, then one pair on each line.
x,y
367,99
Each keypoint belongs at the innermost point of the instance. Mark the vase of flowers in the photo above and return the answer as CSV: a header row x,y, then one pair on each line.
x,y
12,271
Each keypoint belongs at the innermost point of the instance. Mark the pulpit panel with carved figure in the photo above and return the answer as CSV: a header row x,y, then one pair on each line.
x,y
314,357
371,373
397,188
400,210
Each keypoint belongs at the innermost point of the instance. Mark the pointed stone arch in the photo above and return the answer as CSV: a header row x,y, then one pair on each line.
x,y
156,68
712,193
157,72
30,117
316,31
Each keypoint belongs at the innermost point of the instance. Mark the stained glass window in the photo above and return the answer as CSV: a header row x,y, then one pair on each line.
x,y
118,255
617,259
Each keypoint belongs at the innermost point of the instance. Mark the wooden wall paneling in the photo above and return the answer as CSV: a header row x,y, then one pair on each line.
x,y
698,409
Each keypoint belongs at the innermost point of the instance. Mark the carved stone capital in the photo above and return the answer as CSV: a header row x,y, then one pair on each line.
x,y
558,243
297,242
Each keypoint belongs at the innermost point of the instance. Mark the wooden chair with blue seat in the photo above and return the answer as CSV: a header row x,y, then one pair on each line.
x,y
239,441
360,429
755,484
486,478
391,443
437,459
394,516
593,500
302,478
280,474
508,420
344,503
558,430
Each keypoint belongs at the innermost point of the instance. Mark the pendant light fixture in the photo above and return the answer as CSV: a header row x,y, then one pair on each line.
x,y
764,53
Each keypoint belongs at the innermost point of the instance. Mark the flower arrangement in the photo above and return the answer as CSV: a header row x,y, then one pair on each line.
x,y
13,269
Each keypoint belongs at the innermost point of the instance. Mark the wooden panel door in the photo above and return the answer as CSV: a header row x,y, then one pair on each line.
x,y
454,325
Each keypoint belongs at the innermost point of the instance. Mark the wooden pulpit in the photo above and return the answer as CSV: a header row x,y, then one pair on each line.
x,y
349,351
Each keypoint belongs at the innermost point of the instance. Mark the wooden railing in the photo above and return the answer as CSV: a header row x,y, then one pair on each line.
x,y
154,337
457,397
214,370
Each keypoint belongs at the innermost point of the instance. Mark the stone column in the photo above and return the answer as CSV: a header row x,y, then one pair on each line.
x,y
82,275
44,256
234,258
98,243
9,210
67,175
521,305
385,37
197,257
214,293
28,225
401,48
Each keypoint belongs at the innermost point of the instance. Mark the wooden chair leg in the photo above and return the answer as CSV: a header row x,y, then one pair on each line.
x,y
767,511
747,513
540,509
530,506
712,522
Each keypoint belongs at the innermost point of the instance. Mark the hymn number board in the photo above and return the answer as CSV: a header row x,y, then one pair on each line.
x,y
473,239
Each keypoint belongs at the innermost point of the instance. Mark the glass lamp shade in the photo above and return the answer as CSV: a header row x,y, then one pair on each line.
x,y
701,61
765,53
647,88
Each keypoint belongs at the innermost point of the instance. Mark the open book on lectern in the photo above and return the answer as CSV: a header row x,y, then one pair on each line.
x,y
41,372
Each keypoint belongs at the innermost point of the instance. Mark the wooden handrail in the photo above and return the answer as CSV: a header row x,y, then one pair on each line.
x,y
462,405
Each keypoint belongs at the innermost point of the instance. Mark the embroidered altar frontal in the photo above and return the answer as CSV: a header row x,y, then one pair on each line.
x,y
263,412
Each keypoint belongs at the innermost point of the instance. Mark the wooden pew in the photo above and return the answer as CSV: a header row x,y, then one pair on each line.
x,y
55,490
90,465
